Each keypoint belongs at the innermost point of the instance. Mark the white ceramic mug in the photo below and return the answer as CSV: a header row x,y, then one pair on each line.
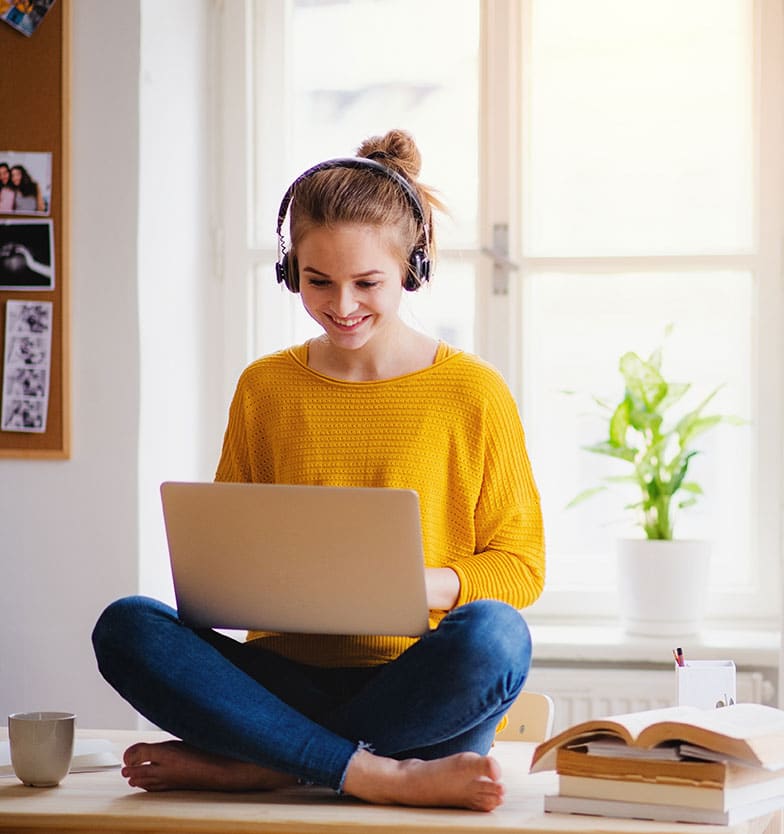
x,y
41,746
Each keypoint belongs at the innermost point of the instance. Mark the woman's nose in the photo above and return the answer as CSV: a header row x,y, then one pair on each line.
x,y
344,301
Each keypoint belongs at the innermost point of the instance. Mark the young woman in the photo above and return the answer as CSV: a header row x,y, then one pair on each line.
x,y
28,192
371,402
7,191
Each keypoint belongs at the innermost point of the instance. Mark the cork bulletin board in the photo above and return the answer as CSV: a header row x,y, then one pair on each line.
x,y
34,232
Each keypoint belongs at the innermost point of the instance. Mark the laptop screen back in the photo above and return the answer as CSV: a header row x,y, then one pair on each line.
x,y
313,559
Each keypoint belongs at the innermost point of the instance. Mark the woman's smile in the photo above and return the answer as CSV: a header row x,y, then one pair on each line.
x,y
349,323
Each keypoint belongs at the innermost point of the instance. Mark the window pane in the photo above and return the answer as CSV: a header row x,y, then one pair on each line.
x,y
638,127
577,328
279,319
445,307
358,68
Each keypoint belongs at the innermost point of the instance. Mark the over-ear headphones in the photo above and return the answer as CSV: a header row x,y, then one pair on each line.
x,y
418,261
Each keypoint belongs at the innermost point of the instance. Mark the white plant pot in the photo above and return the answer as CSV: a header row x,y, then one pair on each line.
x,y
662,585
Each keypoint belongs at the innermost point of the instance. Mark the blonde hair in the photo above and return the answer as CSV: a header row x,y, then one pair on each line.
x,y
359,196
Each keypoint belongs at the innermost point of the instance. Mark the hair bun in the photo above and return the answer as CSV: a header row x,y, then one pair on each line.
x,y
397,149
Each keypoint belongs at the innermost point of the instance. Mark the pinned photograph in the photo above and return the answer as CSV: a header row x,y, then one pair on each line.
x,y
25,182
26,255
24,15
28,355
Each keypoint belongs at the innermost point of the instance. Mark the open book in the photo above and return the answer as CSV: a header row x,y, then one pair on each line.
x,y
750,733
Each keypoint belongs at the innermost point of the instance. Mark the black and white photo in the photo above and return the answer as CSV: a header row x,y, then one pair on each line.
x,y
28,357
26,255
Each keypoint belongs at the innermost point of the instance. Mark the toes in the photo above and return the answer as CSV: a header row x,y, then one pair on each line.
x,y
491,768
136,754
146,784
143,777
487,800
135,773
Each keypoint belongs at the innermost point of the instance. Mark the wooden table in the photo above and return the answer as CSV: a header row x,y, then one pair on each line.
x,y
102,802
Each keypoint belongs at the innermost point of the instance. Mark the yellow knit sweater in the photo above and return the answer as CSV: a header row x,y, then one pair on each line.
x,y
450,431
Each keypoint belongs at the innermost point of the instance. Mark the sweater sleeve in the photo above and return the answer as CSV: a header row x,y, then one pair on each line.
x,y
509,559
234,463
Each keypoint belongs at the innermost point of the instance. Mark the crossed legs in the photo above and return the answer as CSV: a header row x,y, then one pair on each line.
x,y
429,716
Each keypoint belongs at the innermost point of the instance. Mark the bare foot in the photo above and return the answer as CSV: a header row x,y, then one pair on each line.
x,y
174,765
465,780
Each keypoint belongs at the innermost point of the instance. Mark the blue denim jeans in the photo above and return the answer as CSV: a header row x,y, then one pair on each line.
x,y
443,695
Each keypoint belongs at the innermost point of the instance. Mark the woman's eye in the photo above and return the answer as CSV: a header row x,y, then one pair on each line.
x,y
367,285
318,282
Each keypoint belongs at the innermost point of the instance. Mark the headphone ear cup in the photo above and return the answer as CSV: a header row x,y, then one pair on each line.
x,y
292,274
418,270
288,273
281,270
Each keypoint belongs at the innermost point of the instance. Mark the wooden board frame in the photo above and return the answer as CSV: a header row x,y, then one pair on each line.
x,y
35,101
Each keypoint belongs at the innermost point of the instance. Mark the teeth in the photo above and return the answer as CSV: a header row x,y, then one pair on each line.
x,y
346,322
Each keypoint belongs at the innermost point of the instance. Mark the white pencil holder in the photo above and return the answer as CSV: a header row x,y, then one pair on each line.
x,y
706,683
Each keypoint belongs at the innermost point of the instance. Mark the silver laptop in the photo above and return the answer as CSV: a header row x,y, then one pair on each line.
x,y
316,559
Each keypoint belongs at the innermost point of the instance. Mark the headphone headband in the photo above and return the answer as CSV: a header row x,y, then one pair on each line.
x,y
419,263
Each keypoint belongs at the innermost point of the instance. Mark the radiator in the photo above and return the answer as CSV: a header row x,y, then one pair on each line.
x,y
581,693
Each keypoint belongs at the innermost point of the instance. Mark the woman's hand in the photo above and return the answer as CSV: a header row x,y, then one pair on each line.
x,y
443,588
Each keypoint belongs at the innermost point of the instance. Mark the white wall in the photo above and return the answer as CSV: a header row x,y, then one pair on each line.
x,y
69,531
71,537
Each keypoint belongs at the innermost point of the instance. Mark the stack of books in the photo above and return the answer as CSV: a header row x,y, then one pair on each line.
x,y
678,764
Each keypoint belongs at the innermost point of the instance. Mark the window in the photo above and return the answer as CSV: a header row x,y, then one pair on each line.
x,y
623,159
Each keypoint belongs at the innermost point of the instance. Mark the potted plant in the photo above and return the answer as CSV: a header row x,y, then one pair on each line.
x,y
661,579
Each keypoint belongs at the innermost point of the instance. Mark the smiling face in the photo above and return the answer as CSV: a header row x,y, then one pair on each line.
x,y
16,176
5,174
351,281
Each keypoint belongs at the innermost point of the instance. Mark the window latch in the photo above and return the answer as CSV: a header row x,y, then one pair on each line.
x,y
502,263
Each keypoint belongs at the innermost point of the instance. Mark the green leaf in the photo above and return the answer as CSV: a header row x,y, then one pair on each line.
x,y
605,405
675,483
619,423
584,496
690,428
675,392
684,425
691,486
643,380
622,479
642,417
613,451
